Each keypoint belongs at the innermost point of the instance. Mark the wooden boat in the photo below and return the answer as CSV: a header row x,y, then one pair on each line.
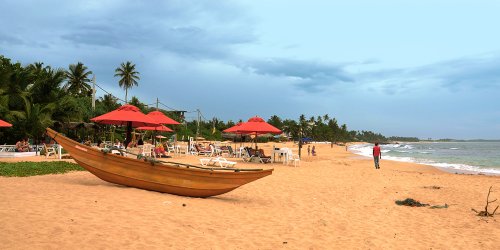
x,y
167,177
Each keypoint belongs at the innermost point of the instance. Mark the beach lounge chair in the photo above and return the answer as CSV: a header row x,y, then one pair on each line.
x,y
222,162
245,154
230,151
257,156
49,151
263,158
201,151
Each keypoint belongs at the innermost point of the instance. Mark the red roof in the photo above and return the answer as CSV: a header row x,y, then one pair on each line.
x,y
125,114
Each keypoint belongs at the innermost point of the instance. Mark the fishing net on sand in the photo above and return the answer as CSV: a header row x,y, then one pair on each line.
x,y
411,203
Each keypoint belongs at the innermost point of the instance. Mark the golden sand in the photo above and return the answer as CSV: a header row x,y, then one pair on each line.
x,y
332,201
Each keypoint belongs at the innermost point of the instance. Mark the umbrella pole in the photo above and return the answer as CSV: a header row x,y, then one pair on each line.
x,y
112,136
129,134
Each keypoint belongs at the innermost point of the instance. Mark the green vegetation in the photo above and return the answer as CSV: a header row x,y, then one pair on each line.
x,y
35,96
405,139
128,76
23,169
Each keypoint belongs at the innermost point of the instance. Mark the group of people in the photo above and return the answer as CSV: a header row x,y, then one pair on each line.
x,y
377,153
313,151
131,144
159,148
23,145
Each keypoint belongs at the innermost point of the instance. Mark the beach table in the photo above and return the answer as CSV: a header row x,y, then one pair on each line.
x,y
281,153
180,149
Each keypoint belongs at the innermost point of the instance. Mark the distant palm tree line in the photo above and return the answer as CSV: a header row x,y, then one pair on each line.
x,y
36,96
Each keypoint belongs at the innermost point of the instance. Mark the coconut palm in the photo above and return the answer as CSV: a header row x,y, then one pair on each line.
x,y
46,83
14,95
275,121
135,101
109,103
128,76
78,80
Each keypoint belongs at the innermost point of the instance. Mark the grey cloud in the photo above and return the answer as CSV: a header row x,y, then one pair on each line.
x,y
468,73
194,31
9,39
474,73
97,34
309,76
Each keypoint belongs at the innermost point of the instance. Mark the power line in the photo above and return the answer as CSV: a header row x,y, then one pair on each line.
x,y
117,98
153,104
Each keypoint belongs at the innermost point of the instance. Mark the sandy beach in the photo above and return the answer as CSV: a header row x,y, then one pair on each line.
x,y
335,200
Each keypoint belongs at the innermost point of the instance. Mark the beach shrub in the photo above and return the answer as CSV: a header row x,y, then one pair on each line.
x,y
23,169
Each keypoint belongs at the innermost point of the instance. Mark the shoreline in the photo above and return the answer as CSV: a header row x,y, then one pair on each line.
x,y
450,169
332,200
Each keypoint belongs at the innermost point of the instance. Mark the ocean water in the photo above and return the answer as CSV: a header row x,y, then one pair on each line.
x,y
478,157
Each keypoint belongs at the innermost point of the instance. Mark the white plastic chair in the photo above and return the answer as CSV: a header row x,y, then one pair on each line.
x,y
49,151
291,157
147,150
170,149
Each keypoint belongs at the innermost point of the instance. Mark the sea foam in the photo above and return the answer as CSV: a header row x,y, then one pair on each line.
x,y
366,150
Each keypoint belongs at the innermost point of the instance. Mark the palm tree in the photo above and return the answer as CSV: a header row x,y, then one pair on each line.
x,y
78,80
129,76
275,121
135,101
46,87
109,103
14,94
37,118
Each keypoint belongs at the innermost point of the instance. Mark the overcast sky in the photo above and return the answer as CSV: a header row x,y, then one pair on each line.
x,y
422,69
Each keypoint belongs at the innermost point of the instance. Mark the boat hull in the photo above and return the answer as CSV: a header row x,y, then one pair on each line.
x,y
167,178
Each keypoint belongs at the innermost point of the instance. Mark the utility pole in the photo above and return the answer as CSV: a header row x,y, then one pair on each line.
x,y
157,103
300,141
93,93
198,125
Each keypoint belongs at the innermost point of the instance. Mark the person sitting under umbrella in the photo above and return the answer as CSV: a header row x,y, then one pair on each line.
x,y
23,145
132,144
117,143
160,150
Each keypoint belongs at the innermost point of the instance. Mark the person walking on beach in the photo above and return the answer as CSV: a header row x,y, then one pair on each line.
x,y
377,155
308,150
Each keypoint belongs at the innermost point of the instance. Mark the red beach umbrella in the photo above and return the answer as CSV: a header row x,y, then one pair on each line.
x,y
257,126
160,128
233,129
125,115
4,124
128,115
161,118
